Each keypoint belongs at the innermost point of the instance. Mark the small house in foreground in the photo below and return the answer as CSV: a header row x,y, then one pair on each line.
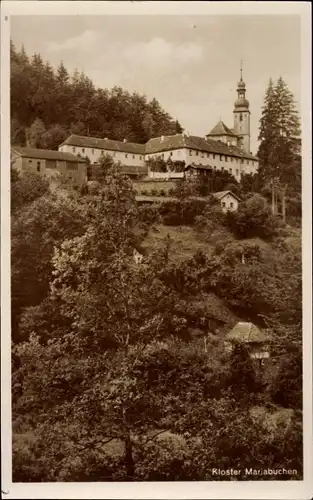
x,y
228,200
254,339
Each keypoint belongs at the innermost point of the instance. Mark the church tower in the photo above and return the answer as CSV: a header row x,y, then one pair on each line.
x,y
242,116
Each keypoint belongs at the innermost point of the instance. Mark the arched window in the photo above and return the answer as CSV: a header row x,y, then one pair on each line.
x,y
240,117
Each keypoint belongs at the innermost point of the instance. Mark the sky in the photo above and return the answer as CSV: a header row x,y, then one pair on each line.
x,y
191,64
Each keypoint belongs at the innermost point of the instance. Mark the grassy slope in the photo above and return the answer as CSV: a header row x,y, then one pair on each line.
x,y
185,241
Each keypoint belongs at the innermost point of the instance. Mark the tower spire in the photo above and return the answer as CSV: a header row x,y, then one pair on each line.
x,y
241,70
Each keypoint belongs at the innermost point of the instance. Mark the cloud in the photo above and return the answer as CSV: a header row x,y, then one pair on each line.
x,y
159,53
86,41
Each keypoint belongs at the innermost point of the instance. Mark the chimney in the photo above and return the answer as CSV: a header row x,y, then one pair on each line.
x,y
105,138
124,140
162,138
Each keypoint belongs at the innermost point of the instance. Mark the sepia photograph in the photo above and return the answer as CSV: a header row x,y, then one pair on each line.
x,y
155,307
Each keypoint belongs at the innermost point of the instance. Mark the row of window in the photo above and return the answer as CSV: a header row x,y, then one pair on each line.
x,y
38,164
230,170
197,153
103,152
207,155
224,204
52,164
221,157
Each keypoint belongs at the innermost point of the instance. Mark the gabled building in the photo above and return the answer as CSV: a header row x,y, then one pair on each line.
x,y
228,200
49,163
223,149
128,153
224,134
249,335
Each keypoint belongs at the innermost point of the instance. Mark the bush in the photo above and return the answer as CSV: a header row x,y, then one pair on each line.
x,y
253,219
179,212
154,192
26,188
286,388
162,192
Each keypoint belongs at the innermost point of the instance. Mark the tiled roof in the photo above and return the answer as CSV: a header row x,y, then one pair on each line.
x,y
220,194
246,332
159,144
179,141
106,144
45,154
221,129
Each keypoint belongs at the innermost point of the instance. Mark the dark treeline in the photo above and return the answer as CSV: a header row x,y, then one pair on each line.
x,y
48,105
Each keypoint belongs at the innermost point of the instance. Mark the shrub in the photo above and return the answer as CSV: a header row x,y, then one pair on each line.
x,y
179,212
286,388
253,219
154,192
26,188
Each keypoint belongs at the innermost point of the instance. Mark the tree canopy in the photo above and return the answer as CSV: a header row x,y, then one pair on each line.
x,y
59,104
279,150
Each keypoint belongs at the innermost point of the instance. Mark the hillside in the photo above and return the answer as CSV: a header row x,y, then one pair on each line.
x,y
59,104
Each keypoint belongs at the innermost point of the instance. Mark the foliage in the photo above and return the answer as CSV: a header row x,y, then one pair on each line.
x,y
99,172
35,133
119,369
279,142
35,230
286,388
253,218
159,413
157,164
249,183
181,212
26,188
59,104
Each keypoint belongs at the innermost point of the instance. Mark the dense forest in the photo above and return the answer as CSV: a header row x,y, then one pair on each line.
x,y
119,369
47,106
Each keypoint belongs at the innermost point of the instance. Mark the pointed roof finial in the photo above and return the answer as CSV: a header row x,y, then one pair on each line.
x,y
241,70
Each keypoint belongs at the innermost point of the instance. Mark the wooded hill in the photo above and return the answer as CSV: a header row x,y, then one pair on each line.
x,y
48,105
